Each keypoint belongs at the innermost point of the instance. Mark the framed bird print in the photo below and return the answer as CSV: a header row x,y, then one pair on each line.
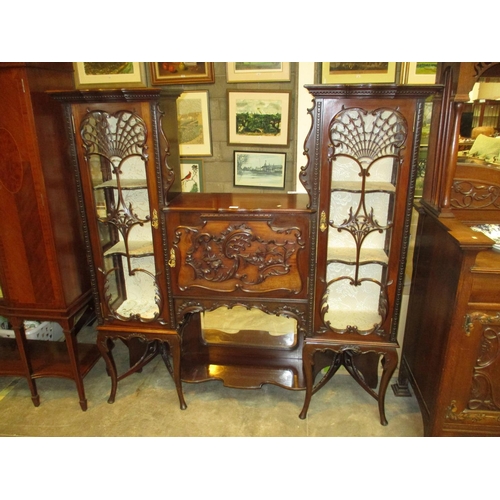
x,y
191,175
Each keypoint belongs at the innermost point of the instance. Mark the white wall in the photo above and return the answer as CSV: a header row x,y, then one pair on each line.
x,y
305,75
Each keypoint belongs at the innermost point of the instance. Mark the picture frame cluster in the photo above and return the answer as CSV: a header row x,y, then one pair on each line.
x,y
255,118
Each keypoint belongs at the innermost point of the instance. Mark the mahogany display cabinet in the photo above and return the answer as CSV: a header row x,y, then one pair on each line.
x,y
126,170
362,152
43,267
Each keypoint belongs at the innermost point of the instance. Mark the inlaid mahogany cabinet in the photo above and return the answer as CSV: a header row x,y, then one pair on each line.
x,y
362,153
126,171
43,269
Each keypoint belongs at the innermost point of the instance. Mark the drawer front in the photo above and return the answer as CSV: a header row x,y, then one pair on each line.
x,y
485,288
239,255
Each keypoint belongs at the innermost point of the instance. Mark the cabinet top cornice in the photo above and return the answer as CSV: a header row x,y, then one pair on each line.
x,y
379,91
110,95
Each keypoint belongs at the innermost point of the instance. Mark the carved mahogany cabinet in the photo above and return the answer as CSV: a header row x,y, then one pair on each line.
x,y
240,265
126,171
362,153
43,272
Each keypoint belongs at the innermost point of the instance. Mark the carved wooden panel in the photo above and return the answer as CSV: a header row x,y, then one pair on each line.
x,y
485,392
472,195
245,255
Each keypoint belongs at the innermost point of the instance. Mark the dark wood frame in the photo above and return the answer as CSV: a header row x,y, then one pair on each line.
x,y
180,75
261,183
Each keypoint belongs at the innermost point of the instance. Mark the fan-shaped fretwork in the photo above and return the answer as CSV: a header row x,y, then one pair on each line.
x,y
362,134
114,136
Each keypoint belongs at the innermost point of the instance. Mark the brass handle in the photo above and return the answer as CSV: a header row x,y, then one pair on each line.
x,y
154,220
171,261
323,226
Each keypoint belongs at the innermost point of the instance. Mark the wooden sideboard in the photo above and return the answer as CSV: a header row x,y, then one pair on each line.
x,y
452,338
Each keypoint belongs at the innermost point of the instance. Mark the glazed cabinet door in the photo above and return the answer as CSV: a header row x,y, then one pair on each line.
x,y
122,195
364,214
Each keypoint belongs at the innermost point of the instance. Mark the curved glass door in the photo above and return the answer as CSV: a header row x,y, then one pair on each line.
x,y
365,148
115,150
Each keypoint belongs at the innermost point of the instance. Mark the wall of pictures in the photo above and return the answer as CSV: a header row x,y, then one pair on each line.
x,y
242,125
252,104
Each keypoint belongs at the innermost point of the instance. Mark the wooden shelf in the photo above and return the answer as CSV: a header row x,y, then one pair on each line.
x,y
48,359
348,255
242,373
250,338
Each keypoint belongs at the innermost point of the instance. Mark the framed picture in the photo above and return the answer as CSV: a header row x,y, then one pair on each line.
x,y
263,170
259,118
175,73
109,74
358,72
191,175
257,72
418,72
193,122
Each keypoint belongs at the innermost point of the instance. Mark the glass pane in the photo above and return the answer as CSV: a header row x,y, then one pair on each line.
x,y
115,146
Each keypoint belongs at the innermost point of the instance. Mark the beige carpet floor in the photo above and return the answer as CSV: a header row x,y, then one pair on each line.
x,y
147,405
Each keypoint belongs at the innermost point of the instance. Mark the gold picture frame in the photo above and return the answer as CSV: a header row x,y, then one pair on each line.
x,y
258,118
179,73
418,73
109,75
257,72
193,122
358,72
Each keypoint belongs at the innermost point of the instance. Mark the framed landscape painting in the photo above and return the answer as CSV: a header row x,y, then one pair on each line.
x,y
258,118
263,170
174,73
358,72
418,72
258,72
109,74
193,123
